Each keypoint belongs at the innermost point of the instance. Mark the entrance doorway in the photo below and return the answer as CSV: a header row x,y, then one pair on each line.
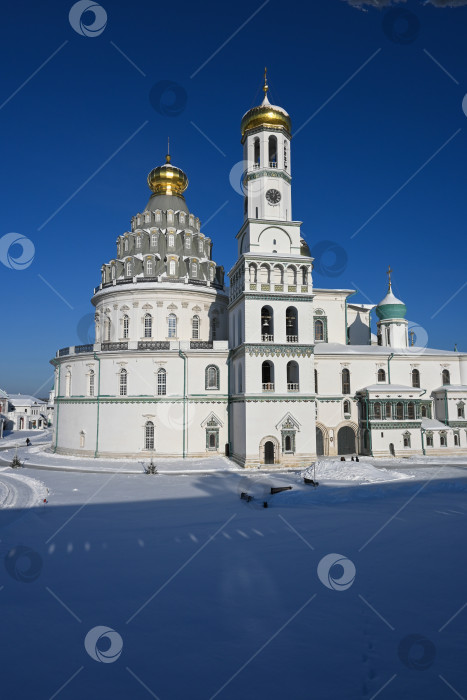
x,y
319,442
269,452
346,441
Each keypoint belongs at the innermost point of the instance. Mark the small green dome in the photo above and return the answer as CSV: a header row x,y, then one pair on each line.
x,y
390,307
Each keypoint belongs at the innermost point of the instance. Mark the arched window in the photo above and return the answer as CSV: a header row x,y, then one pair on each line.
x,y
126,326
291,275
91,383
316,381
161,382
278,274
406,439
347,407
171,240
212,377
113,272
345,381
381,375
172,326
443,440
267,324
399,410
461,410
377,408
272,143
388,410
319,330
107,328
149,435
267,375
82,439
172,267
256,151
194,269
429,439
264,274
288,443
149,267
456,439
292,376
200,245
416,378
68,383
188,242
446,377
123,382
138,241
147,326
411,410
253,273
195,327
211,273
304,275
126,244
291,324
424,412
153,240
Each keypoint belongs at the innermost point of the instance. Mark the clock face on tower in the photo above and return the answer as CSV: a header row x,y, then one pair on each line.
x,y
273,196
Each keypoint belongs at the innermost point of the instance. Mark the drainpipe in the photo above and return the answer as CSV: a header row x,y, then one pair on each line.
x,y
446,422
54,362
183,356
369,326
422,431
347,339
228,402
389,369
423,441
98,405
367,425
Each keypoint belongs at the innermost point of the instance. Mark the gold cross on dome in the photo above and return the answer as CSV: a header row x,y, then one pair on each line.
x,y
265,87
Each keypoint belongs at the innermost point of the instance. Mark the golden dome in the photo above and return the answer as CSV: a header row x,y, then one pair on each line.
x,y
266,115
167,179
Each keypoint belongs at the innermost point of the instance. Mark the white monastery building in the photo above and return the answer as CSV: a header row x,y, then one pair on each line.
x,y
268,371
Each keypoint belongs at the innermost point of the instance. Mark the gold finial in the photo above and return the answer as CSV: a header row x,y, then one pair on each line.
x,y
167,157
389,275
265,86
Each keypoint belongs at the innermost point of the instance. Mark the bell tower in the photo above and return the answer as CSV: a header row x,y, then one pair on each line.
x,y
271,390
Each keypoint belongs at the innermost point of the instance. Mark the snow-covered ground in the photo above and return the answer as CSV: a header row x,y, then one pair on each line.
x,y
214,596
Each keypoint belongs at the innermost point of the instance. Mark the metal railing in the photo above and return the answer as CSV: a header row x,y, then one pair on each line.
x,y
268,386
293,386
84,348
267,338
292,338
153,345
114,346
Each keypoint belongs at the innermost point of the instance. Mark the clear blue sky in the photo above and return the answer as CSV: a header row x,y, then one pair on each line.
x,y
358,150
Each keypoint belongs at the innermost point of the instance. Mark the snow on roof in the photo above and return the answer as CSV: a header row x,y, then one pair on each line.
x,y
340,349
362,307
432,424
387,388
25,400
452,387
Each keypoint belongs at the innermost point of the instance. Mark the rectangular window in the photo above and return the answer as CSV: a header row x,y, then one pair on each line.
x,y
171,240
188,242
194,269
154,240
200,246
161,382
172,267
138,242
